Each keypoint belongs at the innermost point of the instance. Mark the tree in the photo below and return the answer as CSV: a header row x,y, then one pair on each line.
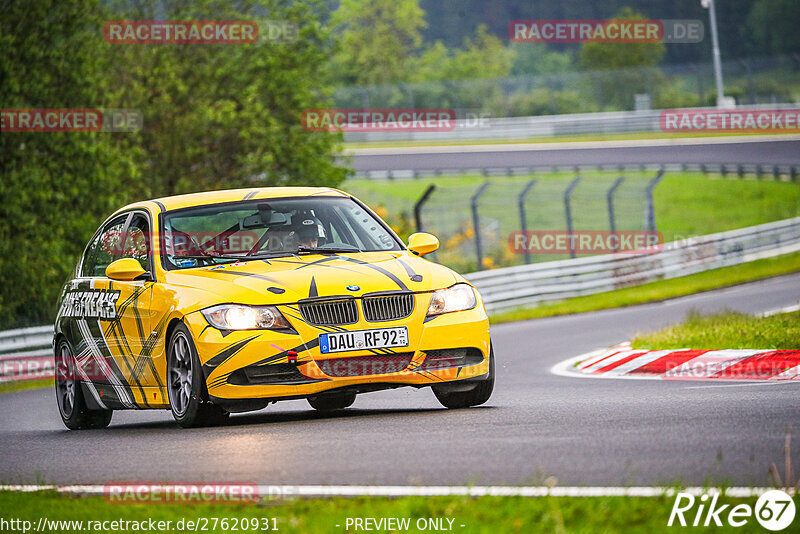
x,y
54,186
482,56
633,66
228,115
774,25
377,39
215,116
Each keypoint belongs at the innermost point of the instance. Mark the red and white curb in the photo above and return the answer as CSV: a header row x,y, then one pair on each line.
x,y
622,361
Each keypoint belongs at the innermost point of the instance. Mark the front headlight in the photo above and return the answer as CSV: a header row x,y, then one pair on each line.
x,y
459,297
240,317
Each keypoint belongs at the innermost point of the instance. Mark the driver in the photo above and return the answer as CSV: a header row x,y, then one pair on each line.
x,y
307,232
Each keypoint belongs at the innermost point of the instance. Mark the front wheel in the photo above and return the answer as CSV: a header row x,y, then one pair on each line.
x,y
72,407
188,396
327,403
473,397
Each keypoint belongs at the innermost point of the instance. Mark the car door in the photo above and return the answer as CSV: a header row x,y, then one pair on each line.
x,y
112,318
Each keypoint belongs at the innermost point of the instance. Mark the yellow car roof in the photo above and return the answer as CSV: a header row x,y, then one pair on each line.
x,y
232,195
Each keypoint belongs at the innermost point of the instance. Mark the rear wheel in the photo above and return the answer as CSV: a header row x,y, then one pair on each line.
x,y
71,403
327,403
473,397
188,396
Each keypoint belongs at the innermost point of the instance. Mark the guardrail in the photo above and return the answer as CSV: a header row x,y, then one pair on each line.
x,y
612,122
27,352
512,287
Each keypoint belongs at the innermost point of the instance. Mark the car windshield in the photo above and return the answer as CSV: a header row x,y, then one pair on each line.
x,y
223,233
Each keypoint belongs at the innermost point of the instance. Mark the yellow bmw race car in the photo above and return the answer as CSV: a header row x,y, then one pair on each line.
x,y
220,302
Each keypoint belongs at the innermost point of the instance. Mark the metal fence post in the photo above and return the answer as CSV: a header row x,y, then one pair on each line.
x,y
650,212
523,219
418,206
568,211
612,222
476,222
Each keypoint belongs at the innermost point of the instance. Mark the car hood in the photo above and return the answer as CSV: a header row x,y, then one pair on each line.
x,y
289,279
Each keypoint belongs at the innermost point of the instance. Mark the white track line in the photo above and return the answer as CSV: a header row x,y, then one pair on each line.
x,y
429,491
786,309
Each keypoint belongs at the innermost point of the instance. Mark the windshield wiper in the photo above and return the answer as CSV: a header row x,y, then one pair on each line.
x,y
263,255
318,250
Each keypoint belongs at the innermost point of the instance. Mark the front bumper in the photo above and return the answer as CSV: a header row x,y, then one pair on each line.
x,y
259,365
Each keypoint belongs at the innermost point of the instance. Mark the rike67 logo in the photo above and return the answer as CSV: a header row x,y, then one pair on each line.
x,y
774,510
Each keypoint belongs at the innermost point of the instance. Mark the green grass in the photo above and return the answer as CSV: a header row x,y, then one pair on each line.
x,y
555,139
660,290
22,385
728,330
478,515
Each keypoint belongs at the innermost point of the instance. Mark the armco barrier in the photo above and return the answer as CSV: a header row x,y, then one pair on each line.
x,y
509,128
27,352
512,287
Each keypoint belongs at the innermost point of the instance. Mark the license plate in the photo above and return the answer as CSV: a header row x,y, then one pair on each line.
x,y
377,338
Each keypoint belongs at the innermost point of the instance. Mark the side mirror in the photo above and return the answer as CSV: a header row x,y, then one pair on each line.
x,y
422,243
125,270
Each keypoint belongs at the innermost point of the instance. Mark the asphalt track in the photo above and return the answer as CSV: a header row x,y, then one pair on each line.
x,y
582,431
751,150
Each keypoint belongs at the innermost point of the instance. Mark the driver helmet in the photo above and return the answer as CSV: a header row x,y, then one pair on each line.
x,y
308,227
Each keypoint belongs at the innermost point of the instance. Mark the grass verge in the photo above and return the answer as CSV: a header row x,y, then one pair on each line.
x,y
660,290
728,330
22,385
477,515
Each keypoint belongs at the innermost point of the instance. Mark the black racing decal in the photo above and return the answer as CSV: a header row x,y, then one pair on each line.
x,y
412,275
94,329
116,332
146,355
253,275
90,304
250,195
323,262
312,291
220,358
222,379
276,290
381,270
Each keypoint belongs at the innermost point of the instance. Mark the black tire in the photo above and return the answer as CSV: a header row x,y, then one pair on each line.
x,y
474,397
69,395
186,385
328,403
